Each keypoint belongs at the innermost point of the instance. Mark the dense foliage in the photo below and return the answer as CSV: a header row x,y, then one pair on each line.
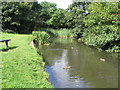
x,y
102,30
26,17
96,23
40,38
58,19
17,17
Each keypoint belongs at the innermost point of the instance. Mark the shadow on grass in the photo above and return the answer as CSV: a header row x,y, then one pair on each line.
x,y
8,48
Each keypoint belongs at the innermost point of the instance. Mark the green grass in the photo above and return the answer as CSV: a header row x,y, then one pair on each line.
x,y
22,67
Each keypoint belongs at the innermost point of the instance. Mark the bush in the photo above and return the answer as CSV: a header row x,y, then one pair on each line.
x,y
40,37
105,37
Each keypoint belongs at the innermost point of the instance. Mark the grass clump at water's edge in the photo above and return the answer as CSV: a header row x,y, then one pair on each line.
x,y
22,67
40,37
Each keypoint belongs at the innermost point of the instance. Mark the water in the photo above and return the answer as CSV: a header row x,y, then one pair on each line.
x,y
87,70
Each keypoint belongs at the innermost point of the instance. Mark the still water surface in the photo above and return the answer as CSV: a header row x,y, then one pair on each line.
x,y
87,71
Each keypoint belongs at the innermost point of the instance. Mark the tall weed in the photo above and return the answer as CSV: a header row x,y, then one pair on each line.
x,y
40,37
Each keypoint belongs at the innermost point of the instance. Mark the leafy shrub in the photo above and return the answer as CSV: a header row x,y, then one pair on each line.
x,y
101,26
105,37
40,37
78,32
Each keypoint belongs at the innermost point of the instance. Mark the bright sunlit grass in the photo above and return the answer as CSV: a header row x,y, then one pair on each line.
x,y
22,66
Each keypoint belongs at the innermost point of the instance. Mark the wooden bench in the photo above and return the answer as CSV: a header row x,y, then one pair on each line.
x,y
6,41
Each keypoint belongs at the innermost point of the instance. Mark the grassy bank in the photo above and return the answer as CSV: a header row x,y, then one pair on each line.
x,y
22,66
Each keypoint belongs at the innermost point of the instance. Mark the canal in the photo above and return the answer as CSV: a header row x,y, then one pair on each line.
x,y
87,70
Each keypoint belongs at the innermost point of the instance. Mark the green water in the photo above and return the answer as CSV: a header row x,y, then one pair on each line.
x,y
87,70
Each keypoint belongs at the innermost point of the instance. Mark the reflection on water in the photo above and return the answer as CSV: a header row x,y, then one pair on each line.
x,y
87,71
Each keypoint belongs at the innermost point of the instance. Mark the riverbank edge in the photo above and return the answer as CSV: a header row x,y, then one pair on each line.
x,y
106,47
22,72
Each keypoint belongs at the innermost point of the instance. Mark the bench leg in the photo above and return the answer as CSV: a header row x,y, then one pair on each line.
x,y
6,42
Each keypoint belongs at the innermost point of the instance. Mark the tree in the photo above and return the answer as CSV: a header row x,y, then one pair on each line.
x,y
102,26
18,17
58,19
76,12
46,12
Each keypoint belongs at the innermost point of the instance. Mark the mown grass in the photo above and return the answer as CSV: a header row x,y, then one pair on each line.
x,y
22,67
